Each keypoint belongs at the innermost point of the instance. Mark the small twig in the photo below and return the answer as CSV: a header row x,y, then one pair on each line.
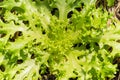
x,y
119,76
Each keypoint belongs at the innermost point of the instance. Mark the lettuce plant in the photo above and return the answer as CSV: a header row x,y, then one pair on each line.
x,y
57,40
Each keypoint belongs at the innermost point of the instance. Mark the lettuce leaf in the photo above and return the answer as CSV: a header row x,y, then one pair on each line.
x,y
57,40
